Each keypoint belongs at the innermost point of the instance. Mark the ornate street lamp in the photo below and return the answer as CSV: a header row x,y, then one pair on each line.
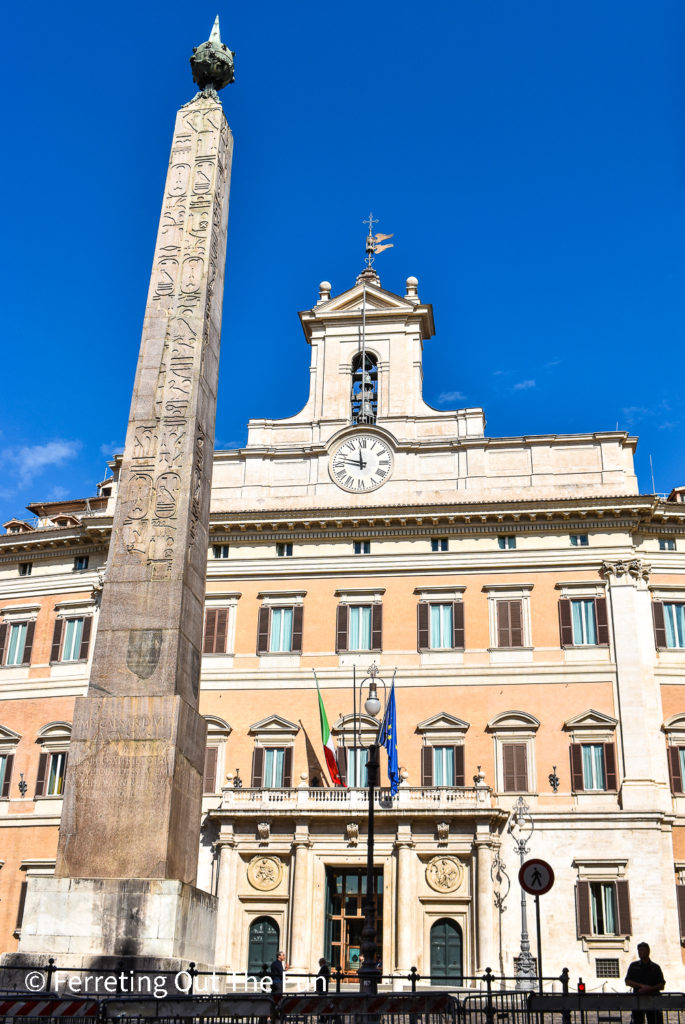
x,y
520,828
501,887
368,972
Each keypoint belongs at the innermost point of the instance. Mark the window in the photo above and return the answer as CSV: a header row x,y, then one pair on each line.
x,y
71,639
669,623
579,540
606,968
209,774
356,758
666,544
509,623
16,642
280,629
514,767
583,622
506,542
52,768
593,767
676,765
680,899
80,563
359,627
218,732
440,625
6,763
442,765
220,551
25,568
439,544
603,907
272,767
284,550
216,631
362,547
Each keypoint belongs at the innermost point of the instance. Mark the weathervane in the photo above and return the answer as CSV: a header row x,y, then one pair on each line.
x,y
373,242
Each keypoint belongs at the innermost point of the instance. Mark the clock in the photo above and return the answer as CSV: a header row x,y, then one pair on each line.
x,y
361,463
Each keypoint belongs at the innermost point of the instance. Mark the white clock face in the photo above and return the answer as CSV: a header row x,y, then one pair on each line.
x,y
361,463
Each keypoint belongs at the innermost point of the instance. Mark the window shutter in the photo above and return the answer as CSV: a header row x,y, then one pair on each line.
x,y
57,640
287,768
583,918
459,765
342,764
426,766
610,767
577,780
508,768
341,627
602,621
521,766
625,926
503,628
8,775
674,769
263,631
296,646
458,633
42,773
64,769
516,619
3,641
258,767
376,627
28,643
210,631
659,624
422,625
85,637
680,895
221,630
565,623
209,778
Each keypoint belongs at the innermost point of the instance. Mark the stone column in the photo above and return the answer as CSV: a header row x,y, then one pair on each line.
x,y
485,923
300,889
226,897
645,784
405,897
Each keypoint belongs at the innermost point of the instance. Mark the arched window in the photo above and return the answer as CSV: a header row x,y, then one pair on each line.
x,y
263,945
446,953
364,389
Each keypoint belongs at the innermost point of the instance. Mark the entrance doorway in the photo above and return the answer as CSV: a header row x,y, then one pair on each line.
x,y
446,953
263,945
345,890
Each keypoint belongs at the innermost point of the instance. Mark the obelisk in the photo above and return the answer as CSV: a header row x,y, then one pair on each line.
x,y
129,833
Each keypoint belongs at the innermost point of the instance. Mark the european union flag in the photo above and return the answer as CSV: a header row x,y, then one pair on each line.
x,y
387,737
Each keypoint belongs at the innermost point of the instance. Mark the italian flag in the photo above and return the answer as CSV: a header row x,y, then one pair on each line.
x,y
328,744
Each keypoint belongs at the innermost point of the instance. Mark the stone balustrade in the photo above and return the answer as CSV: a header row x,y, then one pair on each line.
x,y
448,798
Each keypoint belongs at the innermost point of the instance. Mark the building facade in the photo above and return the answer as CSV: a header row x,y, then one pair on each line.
x,y
529,603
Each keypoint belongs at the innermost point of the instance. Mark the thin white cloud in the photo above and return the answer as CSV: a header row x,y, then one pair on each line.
x,y
523,385
110,448
450,396
30,461
57,493
553,362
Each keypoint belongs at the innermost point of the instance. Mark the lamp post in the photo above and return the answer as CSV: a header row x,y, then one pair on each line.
x,y
520,828
368,971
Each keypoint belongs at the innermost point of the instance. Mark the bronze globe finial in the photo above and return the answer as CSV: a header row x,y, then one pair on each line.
x,y
212,62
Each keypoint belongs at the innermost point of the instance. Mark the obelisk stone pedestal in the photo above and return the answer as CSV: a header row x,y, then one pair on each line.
x,y
129,835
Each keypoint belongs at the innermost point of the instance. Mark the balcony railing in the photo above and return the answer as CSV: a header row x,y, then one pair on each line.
x,y
344,798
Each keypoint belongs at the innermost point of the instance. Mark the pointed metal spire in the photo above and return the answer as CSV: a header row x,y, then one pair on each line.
x,y
215,36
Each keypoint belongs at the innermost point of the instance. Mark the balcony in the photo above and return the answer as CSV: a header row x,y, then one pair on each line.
x,y
345,800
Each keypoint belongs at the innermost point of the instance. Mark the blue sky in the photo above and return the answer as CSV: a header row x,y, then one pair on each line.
x,y
528,157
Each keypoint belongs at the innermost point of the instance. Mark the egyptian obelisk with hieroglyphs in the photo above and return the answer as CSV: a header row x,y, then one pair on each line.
x,y
129,834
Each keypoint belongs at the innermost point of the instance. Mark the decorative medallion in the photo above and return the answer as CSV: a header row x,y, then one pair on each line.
x,y
264,873
444,874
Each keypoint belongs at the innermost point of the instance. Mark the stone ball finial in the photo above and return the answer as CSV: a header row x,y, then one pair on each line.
x,y
412,287
212,62
324,291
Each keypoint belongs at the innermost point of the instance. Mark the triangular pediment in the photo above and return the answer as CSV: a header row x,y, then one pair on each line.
x,y
274,724
8,735
443,722
377,300
589,719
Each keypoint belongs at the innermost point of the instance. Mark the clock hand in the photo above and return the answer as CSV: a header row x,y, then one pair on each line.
x,y
361,464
